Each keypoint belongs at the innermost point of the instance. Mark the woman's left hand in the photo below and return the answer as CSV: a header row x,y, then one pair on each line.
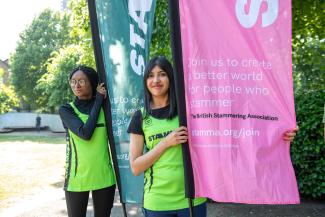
x,y
102,90
290,135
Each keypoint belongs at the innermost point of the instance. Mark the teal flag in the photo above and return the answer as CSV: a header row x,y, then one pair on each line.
x,y
125,29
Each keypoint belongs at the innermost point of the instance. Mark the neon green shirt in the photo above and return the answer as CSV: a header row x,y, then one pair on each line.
x,y
164,181
88,165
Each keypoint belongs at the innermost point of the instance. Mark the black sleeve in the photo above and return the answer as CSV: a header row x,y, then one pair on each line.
x,y
135,125
75,124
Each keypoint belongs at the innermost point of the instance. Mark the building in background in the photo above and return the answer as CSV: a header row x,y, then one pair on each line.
x,y
4,72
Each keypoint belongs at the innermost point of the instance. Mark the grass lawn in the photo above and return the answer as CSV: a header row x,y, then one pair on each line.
x,y
30,164
32,138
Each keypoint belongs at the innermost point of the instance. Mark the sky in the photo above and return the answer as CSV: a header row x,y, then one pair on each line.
x,y
15,16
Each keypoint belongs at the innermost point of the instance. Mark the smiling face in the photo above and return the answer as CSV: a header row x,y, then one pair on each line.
x,y
158,83
80,85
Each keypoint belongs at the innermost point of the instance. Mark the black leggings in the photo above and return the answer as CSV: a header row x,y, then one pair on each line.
x,y
102,201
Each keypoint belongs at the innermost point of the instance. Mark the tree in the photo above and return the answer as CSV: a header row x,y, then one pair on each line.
x,y
308,35
8,98
308,19
160,42
54,84
80,30
308,65
1,75
48,32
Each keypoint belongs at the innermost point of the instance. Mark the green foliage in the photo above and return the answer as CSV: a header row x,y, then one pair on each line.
x,y
1,74
308,148
308,36
160,42
308,65
54,84
8,99
80,29
79,21
47,33
49,48
308,18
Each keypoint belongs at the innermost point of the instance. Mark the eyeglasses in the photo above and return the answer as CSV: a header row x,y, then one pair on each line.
x,y
74,83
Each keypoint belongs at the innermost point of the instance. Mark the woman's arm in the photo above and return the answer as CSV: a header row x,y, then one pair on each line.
x,y
74,123
140,162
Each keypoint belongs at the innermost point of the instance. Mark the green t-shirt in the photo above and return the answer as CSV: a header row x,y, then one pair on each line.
x,y
88,164
164,181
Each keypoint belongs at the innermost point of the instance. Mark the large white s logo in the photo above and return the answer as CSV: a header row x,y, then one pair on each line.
x,y
249,20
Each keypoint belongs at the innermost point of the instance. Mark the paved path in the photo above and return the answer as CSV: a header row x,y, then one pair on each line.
x,y
52,204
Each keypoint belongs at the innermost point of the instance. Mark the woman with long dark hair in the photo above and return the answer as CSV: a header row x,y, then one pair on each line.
x,y
88,163
156,129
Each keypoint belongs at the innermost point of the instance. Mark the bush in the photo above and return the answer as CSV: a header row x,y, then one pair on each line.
x,y
308,149
8,99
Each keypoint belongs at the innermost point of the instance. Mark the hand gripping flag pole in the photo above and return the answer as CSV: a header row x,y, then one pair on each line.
x,y
174,20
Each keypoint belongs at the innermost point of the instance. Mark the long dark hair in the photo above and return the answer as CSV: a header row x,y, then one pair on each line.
x,y
166,66
91,75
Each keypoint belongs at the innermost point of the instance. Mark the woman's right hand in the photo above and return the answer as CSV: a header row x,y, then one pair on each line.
x,y
102,90
176,137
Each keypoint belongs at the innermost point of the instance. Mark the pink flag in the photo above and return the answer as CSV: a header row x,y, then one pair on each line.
x,y
239,93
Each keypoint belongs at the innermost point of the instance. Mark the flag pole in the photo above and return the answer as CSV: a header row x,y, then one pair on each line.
x,y
106,105
176,45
